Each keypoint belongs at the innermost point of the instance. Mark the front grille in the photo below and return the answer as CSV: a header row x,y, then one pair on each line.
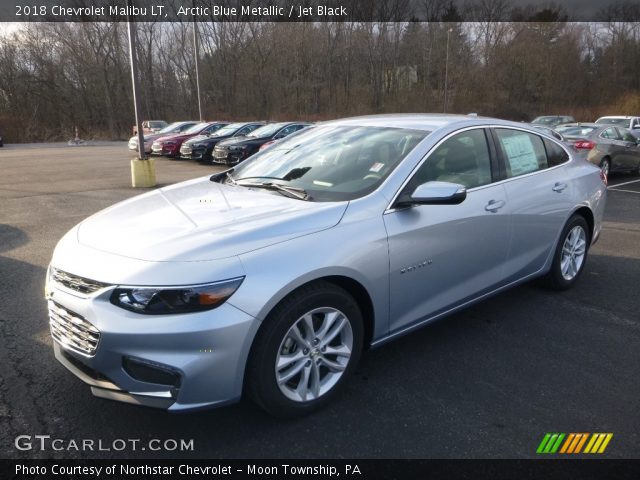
x,y
72,330
76,283
185,150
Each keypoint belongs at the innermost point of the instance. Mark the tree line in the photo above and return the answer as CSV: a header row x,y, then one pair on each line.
x,y
56,76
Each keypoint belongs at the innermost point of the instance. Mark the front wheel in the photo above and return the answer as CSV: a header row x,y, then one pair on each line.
x,y
570,255
309,345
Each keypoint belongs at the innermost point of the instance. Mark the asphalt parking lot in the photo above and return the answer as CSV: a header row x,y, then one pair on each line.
x,y
488,382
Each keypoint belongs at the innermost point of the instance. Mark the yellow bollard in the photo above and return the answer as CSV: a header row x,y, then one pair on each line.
x,y
143,173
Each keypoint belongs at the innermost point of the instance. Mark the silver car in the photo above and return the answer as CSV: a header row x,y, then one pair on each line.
x,y
270,279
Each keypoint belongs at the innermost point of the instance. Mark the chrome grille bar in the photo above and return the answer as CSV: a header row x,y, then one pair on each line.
x,y
72,330
75,282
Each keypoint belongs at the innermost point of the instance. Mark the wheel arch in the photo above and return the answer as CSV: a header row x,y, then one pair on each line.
x,y
587,214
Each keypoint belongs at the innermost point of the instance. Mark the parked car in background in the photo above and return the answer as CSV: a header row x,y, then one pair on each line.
x,y
169,145
610,147
201,147
552,120
350,235
174,128
1,141
632,123
549,131
150,126
237,149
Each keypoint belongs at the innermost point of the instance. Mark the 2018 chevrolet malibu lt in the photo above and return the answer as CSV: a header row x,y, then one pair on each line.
x,y
272,277
235,150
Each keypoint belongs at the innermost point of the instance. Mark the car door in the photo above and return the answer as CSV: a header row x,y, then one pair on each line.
x,y
615,148
539,197
629,158
443,255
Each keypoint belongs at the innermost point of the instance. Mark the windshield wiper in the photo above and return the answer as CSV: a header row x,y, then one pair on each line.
x,y
295,192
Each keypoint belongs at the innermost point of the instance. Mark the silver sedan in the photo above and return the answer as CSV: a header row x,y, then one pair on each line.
x,y
270,279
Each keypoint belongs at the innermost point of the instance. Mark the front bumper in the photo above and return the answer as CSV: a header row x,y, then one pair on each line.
x,y
228,157
202,354
167,150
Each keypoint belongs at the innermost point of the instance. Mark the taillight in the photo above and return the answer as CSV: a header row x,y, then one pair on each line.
x,y
584,145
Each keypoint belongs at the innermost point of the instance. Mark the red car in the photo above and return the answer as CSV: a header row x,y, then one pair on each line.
x,y
169,146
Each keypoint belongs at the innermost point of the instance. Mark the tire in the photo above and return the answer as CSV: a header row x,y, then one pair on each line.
x,y
317,375
605,166
564,273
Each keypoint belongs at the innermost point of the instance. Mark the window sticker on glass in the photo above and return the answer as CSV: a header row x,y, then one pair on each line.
x,y
376,167
521,154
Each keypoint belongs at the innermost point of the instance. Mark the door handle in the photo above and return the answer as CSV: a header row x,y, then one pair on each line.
x,y
558,187
494,205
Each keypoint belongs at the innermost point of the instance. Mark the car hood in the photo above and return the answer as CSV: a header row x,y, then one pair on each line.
x,y
182,136
241,141
205,139
202,220
153,136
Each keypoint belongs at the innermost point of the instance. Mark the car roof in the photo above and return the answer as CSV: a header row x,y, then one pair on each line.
x,y
626,117
586,124
418,121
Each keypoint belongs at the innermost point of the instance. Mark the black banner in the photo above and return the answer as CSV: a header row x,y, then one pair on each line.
x,y
318,10
345,469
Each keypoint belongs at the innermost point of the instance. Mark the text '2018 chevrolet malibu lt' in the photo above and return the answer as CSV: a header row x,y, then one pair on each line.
x,y
271,278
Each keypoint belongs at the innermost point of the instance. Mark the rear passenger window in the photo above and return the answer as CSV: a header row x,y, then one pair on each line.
x,y
523,152
611,134
463,159
556,155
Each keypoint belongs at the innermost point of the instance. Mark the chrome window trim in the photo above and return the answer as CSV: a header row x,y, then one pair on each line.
x,y
391,209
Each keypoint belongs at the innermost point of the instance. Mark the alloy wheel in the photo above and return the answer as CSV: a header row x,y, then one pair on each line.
x,y
314,354
573,252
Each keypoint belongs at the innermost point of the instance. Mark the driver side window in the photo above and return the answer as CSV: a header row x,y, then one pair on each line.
x,y
463,159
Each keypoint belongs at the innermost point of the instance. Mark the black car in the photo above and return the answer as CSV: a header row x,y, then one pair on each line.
x,y
235,150
200,147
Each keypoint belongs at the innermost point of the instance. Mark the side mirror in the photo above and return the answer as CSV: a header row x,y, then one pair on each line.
x,y
434,193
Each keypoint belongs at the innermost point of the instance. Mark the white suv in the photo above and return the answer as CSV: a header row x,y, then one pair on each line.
x,y
632,123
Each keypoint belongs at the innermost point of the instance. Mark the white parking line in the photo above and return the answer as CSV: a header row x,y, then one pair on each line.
x,y
622,184
622,190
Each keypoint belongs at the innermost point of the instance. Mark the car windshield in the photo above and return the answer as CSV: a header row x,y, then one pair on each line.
x,y
579,131
267,130
613,121
156,124
546,120
171,127
332,162
228,130
197,128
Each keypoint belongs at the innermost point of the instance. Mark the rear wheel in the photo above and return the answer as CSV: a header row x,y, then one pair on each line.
x,y
570,255
308,347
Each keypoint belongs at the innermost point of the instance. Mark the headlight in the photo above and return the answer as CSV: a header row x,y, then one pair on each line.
x,y
179,299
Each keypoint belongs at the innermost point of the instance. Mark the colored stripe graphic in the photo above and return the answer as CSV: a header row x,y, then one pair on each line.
x,y
572,443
